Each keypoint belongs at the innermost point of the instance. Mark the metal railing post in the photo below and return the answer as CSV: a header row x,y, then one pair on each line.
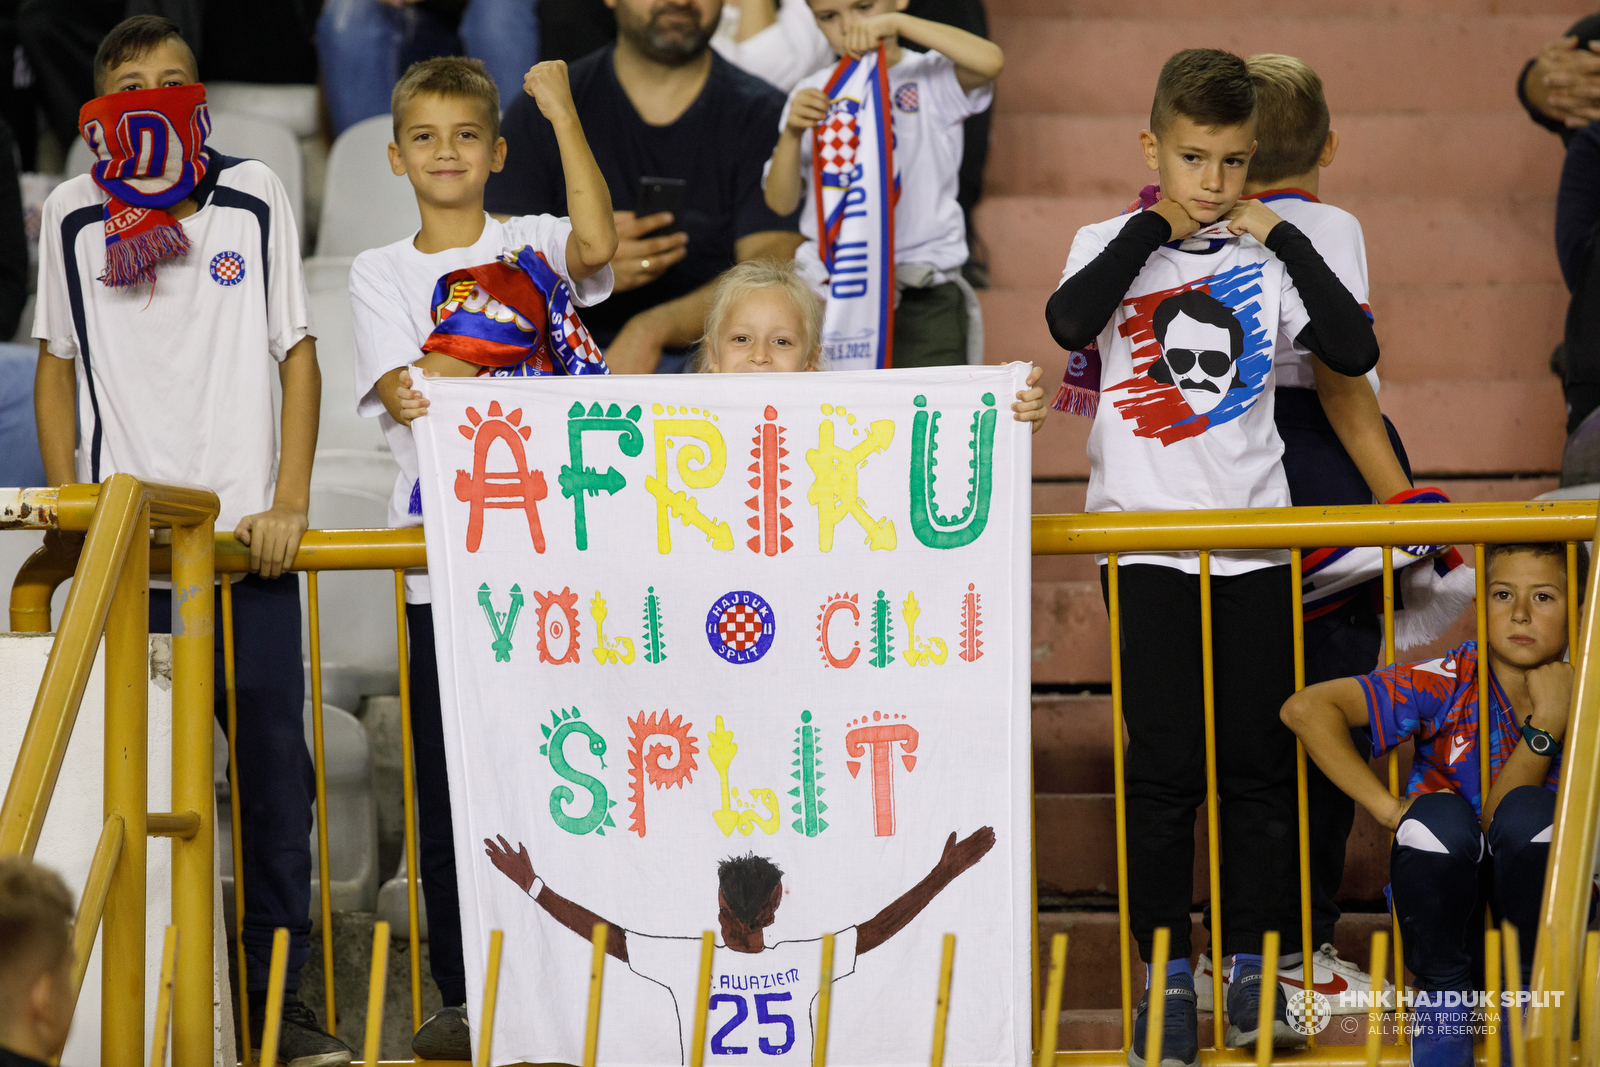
x,y
193,858
127,733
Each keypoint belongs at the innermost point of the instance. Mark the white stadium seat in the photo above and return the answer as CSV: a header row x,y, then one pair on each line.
x,y
341,427
364,204
292,106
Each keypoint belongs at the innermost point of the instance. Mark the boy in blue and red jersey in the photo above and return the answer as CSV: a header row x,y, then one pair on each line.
x,y
1442,875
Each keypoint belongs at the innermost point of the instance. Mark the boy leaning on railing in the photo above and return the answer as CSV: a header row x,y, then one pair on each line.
x,y
1459,847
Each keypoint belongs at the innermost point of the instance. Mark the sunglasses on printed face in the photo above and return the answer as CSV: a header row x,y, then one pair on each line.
x,y
1212,362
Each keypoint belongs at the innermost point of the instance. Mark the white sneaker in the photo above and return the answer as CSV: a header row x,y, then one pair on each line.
x,y
1202,980
1332,976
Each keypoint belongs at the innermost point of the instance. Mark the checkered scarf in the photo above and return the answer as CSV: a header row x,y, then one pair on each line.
x,y
149,147
855,187
514,318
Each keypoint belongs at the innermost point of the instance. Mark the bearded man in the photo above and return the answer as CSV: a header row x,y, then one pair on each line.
x,y
659,104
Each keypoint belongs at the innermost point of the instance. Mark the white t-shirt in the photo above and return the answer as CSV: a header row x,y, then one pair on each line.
x,y
175,384
928,108
1207,439
391,295
1336,235
781,54
763,1003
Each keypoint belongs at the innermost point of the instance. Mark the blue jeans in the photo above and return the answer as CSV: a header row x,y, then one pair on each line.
x,y
365,45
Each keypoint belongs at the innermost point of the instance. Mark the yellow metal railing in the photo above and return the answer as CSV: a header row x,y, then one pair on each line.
x,y
110,597
1561,947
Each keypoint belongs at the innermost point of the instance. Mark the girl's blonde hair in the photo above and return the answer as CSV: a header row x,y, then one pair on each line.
x,y
754,275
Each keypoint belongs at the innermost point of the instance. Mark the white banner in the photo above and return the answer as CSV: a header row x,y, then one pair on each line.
x,y
777,620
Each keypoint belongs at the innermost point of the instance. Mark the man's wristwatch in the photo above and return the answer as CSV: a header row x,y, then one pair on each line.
x,y
1541,742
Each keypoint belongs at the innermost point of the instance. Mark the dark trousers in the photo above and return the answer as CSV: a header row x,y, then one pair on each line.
x,y
277,785
1439,896
1163,703
436,838
1344,642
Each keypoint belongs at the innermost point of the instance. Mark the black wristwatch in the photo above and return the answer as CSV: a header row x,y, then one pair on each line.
x,y
1538,740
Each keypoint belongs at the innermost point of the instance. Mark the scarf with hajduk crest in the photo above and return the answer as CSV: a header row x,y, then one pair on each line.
x,y
149,147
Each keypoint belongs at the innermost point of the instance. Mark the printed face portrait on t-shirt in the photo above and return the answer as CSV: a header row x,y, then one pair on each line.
x,y
1200,343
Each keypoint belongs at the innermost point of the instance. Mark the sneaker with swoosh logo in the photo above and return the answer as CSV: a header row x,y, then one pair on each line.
x,y
1331,975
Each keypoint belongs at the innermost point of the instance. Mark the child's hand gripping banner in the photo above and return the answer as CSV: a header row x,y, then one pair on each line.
x,y
748,654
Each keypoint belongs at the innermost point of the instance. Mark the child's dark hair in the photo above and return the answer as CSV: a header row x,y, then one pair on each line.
x,y
448,76
132,38
1207,86
1291,117
1556,550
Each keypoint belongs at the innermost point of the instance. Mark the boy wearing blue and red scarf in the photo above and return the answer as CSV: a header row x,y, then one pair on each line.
x,y
468,294
170,290
1459,847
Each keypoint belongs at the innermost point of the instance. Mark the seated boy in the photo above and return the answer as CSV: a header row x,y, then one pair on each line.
x,y
176,306
447,141
1338,448
1442,875
36,998
1184,301
933,93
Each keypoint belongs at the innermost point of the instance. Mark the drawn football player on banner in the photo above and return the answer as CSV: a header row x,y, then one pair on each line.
x,y
755,987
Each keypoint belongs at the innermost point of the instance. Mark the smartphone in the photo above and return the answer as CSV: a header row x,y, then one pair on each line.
x,y
661,194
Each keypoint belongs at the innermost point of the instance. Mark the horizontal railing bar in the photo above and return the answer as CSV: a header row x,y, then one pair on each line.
x,y
322,550
1328,527
183,824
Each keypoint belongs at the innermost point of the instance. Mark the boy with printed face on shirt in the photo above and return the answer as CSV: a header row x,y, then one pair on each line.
x,y
1185,421
172,280
447,142
933,93
1442,873
1338,448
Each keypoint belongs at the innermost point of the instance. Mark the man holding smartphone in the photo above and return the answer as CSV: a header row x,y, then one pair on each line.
x,y
660,108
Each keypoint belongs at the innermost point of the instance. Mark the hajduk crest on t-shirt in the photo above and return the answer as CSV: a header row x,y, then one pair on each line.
x,y
854,187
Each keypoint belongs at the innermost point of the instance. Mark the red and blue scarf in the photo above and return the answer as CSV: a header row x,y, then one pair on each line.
x,y
854,189
514,318
149,147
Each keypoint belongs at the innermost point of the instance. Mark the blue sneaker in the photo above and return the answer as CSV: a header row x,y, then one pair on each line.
x,y
1180,1032
1244,1012
1442,1037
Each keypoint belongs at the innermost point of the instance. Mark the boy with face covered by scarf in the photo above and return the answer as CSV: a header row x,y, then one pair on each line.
x,y
170,288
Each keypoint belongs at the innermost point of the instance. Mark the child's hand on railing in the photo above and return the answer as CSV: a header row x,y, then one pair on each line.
x,y
413,405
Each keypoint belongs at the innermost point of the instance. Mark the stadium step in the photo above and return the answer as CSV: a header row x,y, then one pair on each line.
x,y
1075,809
1094,964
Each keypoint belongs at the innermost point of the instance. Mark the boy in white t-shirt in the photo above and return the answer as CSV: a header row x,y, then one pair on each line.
x,y
933,93
447,142
1185,301
1338,448
170,291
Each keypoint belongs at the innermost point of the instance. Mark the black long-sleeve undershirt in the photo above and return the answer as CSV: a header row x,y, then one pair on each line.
x,y
1339,333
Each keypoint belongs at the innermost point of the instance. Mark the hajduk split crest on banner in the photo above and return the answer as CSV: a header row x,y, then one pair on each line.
x,y
748,654
855,187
